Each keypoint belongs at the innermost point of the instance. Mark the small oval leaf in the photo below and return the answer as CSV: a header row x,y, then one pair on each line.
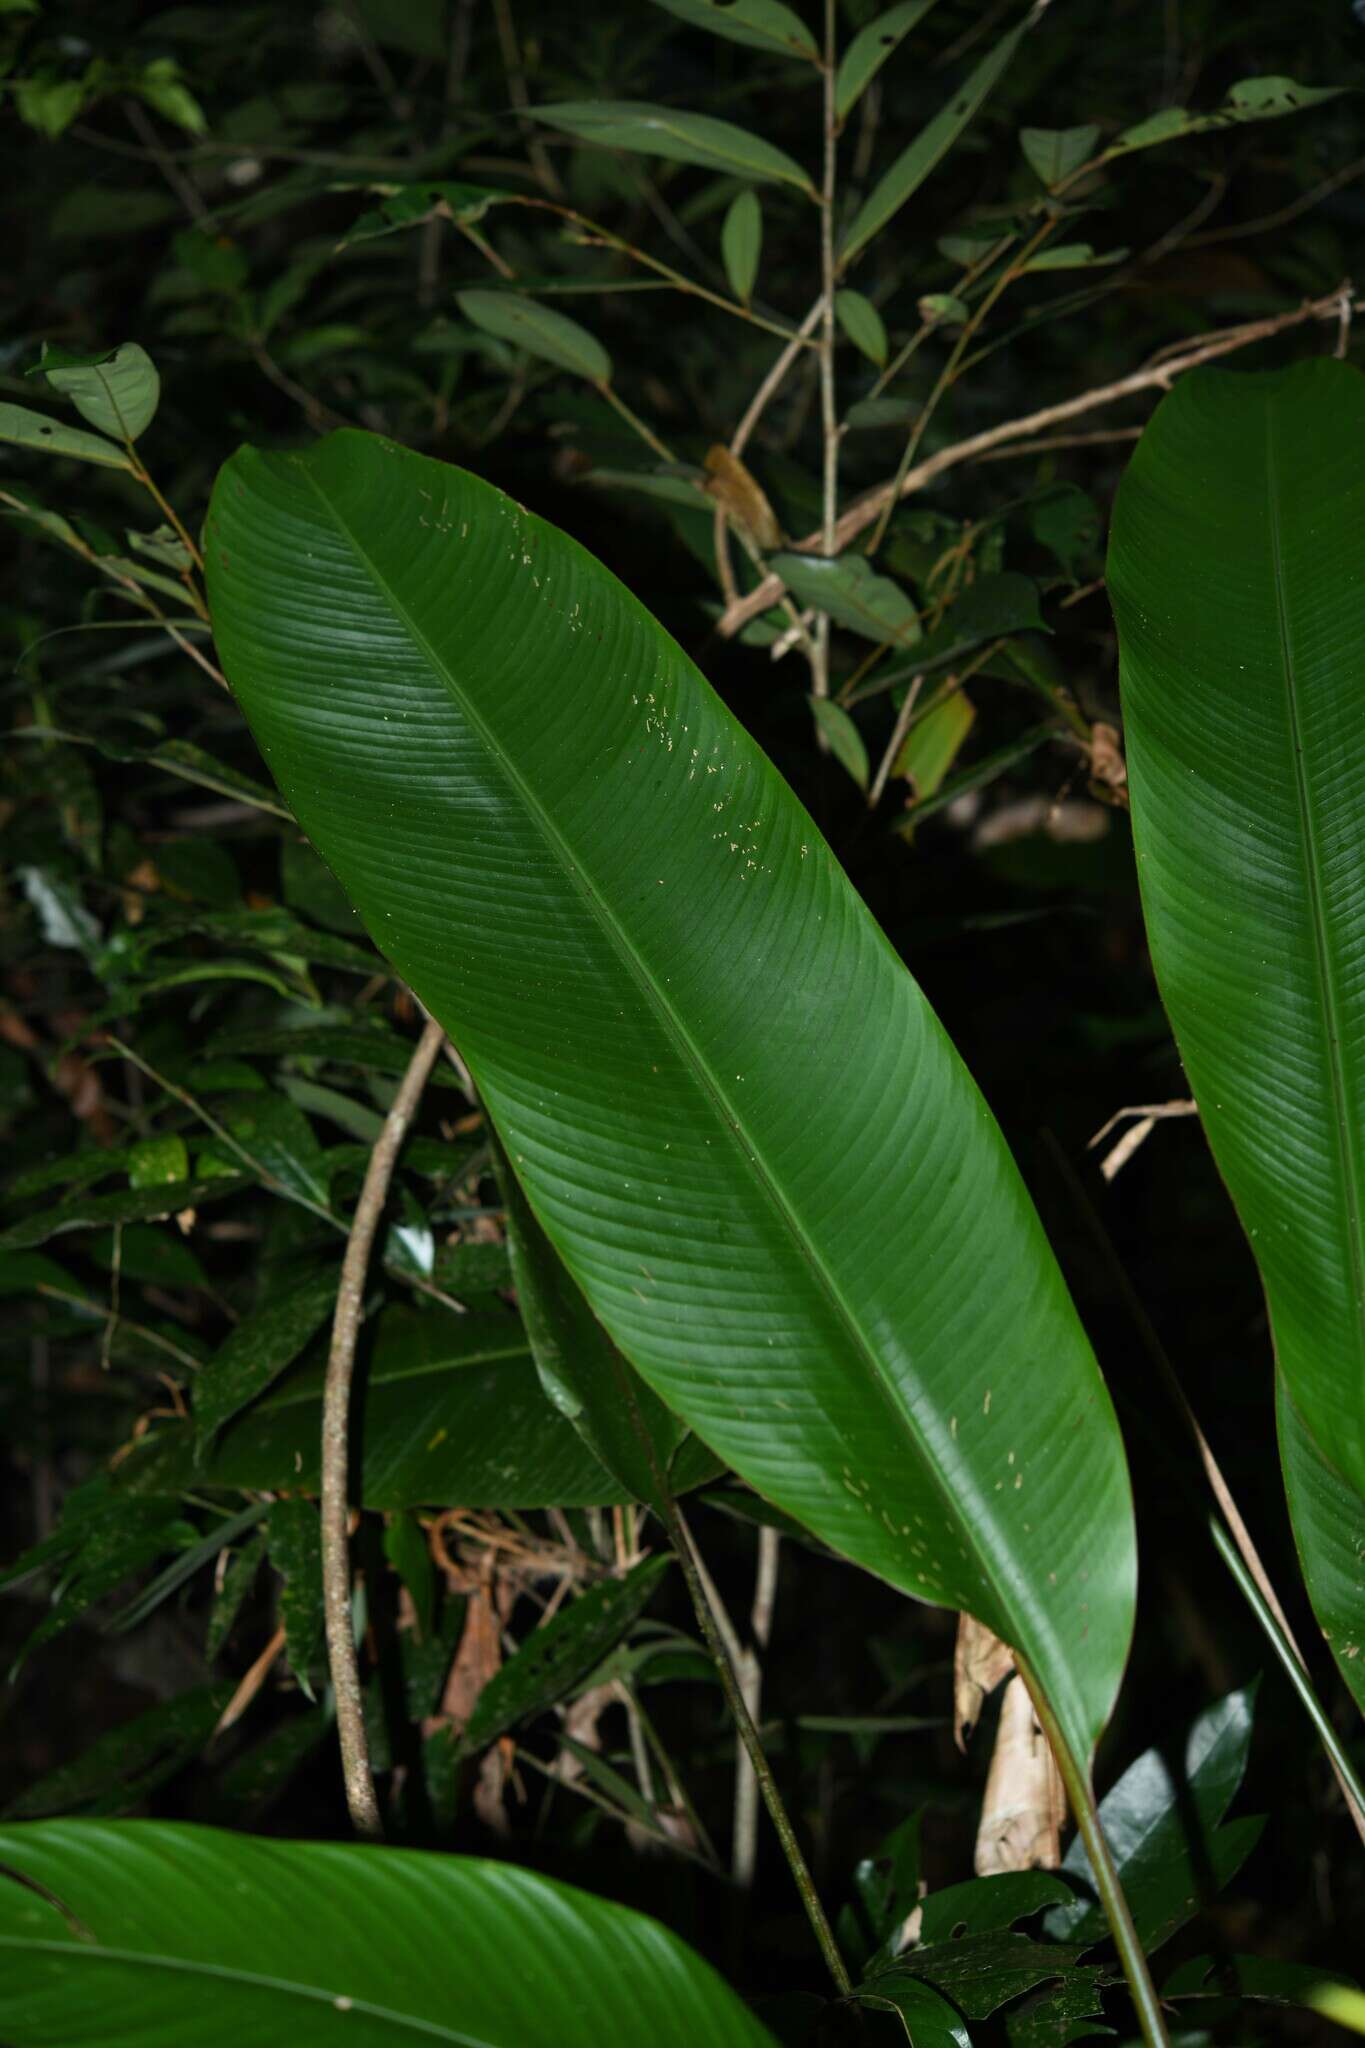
x,y
117,391
862,323
741,243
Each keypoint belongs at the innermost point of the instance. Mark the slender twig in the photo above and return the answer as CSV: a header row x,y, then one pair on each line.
x,y
521,98
1159,374
902,726
829,412
744,1851
336,1565
1284,214
635,423
753,413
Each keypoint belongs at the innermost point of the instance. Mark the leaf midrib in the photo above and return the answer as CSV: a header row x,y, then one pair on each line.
x,y
1347,1158
707,1081
248,1980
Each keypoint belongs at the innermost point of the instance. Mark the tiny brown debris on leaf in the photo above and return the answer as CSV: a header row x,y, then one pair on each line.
x,y
741,496
1024,1804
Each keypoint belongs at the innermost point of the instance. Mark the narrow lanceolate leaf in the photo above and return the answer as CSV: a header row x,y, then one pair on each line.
x,y
1237,567
869,50
257,1351
1329,1529
539,330
1251,99
862,323
26,429
188,1935
663,984
683,138
741,243
760,24
930,146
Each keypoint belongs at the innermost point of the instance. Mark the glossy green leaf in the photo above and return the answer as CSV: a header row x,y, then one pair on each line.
x,y
854,595
846,743
273,1133
410,206
1329,1530
760,24
1164,1830
869,50
562,1651
862,323
154,1161
27,429
1253,99
540,331
1054,153
681,137
662,985
190,1560
580,1368
930,2021
447,1409
371,1046
238,1580
1237,571
930,146
1262,1977
741,243
117,392
184,1937
966,1949
257,1351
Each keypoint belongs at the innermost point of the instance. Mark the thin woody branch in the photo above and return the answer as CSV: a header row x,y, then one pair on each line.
x,y
336,1400
1157,375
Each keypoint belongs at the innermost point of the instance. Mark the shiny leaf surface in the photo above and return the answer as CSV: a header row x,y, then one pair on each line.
x,y
760,24
662,985
682,137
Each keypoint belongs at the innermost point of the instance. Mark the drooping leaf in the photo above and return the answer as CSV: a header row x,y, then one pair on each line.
x,y
930,2021
846,743
1329,1531
186,1934
854,595
1074,256
741,243
1237,571
26,429
539,330
1166,1831
257,1351
272,1134
554,1657
683,138
125,1205
662,1027
580,1369
1054,153
238,1580
869,50
1252,99
967,1949
930,146
862,323
760,24
121,1768
1261,1977
117,391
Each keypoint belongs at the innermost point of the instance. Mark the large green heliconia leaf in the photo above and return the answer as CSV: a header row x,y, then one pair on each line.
x,y
732,1110
184,1937
1237,566
1329,1529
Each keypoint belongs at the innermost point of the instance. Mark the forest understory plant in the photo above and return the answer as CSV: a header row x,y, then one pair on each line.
x,y
670,1185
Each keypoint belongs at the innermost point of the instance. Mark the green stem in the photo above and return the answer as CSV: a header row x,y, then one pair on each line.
x,y
1294,1671
1082,1796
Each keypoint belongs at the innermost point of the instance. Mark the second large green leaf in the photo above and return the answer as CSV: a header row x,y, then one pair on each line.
x,y
1237,567
733,1111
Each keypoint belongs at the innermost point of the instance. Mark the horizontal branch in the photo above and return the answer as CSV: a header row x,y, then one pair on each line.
x,y
1157,375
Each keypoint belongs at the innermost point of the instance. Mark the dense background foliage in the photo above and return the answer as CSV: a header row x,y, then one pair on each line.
x,y
189,1002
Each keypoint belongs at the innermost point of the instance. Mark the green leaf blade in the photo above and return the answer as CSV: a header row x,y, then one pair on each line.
x,y
678,136
539,330
870,49
658,955
1246,755
758,24
23,428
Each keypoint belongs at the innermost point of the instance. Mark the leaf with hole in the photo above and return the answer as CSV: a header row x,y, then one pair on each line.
x,y
542,332
870,49
23,428
147,1951
922,156
681,137
1252,99
662,982
760,24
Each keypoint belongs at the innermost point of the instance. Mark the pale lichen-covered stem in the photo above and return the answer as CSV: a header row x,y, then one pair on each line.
x,y
361,1802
